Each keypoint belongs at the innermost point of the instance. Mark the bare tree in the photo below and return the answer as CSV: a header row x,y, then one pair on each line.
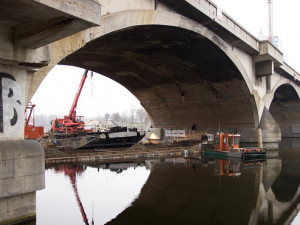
x,y
141,115
116,118
132,114
127,118
124,118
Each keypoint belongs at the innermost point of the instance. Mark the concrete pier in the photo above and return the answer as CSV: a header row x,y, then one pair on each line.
x,y
22,173
26,30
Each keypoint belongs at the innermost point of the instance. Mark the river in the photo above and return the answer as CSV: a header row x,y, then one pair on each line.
x,y
175,191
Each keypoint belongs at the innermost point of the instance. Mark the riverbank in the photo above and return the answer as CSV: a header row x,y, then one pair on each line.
x,y
137,152
59,155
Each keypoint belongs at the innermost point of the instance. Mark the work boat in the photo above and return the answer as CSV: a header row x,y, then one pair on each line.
x,y
227,145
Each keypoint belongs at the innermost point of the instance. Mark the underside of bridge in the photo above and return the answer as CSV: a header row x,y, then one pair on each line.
x,y
285,109
182,79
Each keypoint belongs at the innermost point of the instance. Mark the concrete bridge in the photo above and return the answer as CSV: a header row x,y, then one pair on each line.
x,y
190,65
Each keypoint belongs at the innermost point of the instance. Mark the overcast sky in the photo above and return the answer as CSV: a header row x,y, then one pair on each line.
x,y
253,15
99,95
102,95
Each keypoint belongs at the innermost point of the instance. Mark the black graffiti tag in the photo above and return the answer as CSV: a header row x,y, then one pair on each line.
x,y
10,105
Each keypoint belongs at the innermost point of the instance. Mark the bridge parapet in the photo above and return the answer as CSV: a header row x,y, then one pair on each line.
x,y
209,15
288,72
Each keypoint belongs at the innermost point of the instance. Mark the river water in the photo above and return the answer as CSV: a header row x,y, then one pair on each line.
x,y
175,191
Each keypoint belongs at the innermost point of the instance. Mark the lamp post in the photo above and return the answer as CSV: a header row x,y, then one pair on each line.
x,y
270,21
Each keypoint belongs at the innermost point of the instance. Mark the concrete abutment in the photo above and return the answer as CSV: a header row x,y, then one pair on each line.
x,y
22,173
268,132
25,49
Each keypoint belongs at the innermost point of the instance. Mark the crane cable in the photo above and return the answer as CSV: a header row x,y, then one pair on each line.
x,y
93,214
92,84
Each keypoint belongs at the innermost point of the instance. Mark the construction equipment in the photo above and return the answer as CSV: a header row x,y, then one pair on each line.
x,y
71,123
30,130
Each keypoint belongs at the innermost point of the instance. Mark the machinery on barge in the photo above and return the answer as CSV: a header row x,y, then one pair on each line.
x,y
30,130
72,132
71,124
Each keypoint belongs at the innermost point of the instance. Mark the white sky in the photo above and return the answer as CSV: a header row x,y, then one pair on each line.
x,y
99,95
56,93
253,16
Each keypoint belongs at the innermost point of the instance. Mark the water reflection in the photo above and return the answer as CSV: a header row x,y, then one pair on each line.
x,y
175,191
104,192
193,192
72,171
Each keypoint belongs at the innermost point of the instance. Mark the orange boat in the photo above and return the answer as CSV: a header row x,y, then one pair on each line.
x,y
227,145
30,130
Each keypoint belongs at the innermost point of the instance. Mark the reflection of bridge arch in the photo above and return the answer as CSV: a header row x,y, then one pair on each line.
x,y
276,210
182,73
280,196
188,193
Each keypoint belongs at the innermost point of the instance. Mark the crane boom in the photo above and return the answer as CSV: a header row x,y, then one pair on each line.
x,y
30,107
72,113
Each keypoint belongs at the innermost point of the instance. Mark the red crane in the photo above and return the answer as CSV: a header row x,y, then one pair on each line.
x,y
71,123
72,113
30,108
30,130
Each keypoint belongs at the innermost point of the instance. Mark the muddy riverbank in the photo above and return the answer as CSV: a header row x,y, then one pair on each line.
x,y
55,154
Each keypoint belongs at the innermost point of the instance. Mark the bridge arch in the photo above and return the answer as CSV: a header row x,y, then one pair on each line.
x,y
285,108
169,85
269,97
131,18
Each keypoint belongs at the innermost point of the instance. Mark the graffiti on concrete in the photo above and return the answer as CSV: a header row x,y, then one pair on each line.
x,y
10,105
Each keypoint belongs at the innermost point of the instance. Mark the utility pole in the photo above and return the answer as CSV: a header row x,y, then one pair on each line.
x,y
270,21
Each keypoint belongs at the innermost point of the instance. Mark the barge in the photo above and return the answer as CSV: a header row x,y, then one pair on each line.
x,y
115,137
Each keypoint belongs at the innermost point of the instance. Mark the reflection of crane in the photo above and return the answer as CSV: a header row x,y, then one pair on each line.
x,y
71,123
71,173
74,185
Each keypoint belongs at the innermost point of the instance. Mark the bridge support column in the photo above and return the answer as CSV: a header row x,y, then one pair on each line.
x,y
268,132
22,173
24,49
22,168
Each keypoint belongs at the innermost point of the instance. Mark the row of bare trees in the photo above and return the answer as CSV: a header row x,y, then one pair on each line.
x,y
135,117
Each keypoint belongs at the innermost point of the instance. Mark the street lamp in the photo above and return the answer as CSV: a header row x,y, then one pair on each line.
x,y
270,21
